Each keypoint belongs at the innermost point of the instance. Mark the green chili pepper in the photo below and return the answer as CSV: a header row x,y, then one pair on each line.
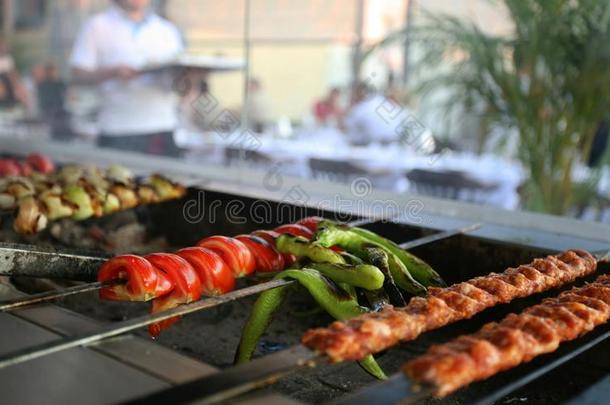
x,y
262,313
403,277
350,258
353,238
301,247
362,275
370,365
356,244
333,299
419,269
377,299
379,257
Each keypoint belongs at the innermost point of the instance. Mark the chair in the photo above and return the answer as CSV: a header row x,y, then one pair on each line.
x,y
451,184
250,158
334,170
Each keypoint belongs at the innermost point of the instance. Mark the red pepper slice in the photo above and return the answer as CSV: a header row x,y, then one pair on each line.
x,y
9,167
40,163
215,275
25,168
310,223
144,281
295,230
270,237
233,252
187,287
268,259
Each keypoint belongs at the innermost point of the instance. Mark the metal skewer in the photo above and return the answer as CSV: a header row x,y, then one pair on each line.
x,y
440,235
20,260
15,254
119,328
56,294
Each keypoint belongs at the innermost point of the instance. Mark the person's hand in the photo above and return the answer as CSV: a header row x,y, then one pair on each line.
x,y
124,72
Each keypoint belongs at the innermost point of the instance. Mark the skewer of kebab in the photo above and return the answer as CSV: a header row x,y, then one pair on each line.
x,y
517,339
228,384
375,332
80,195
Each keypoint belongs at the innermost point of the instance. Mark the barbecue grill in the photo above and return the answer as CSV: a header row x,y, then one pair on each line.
x,y
192,361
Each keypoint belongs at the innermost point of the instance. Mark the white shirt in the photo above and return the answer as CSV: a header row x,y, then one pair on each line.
x,y
364,123
145,103
379,119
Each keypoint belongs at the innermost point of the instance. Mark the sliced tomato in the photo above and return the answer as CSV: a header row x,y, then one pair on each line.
x,y
310,223
215,275
25,168
40,163
294,229
268,259
270,237
144,281
9,167
233,252
187,287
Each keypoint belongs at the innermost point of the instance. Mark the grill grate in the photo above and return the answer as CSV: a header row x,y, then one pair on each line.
x,y
457,258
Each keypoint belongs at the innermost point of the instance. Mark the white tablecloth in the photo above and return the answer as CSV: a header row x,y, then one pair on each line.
x,y
391,160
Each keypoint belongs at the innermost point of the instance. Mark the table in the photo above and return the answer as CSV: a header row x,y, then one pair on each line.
x,y
386,165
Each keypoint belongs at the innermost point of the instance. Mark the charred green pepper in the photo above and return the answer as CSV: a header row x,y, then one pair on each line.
x,y
300,247
350,238
333,299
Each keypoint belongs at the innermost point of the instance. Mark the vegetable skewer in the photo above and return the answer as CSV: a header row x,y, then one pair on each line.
x,y
79,193
119,328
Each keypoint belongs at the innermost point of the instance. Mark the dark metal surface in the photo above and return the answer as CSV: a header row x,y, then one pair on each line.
x,y
25,260
86,376
239,379
119,328
396,389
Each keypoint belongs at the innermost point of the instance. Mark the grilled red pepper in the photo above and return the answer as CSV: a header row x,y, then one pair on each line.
x,y
310,223
233,252
9,167
144,281
187,287
268,259
25,168
40,163
271,236
294,230
215,275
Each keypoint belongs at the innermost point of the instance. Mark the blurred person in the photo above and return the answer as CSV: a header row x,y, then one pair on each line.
x,y
31,82
372,119
138,111
363,123
12,91
258,107
51,93
328,109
